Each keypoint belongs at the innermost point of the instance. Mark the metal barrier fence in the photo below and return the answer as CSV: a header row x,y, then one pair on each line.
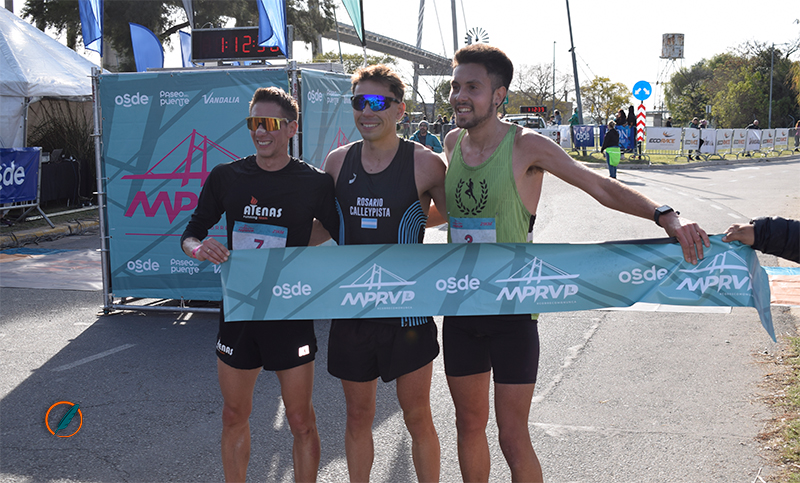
x,y
706,144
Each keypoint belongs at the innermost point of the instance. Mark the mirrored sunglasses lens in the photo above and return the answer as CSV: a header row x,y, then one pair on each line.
x,y
376,103
269,123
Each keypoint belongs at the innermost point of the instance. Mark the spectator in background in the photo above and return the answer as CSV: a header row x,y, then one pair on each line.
x,y
427,139
669,122
573,121
620,119
694,124
631,117
775,236
558,117
797,136
753,125
611,141
406,122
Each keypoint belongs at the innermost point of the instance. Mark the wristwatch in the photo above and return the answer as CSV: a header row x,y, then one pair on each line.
x,y
663,210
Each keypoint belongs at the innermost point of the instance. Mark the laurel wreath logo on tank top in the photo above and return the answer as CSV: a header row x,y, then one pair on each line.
x,y
469,193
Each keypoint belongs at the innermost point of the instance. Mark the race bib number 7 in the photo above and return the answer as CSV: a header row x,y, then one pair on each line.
x,y
256,235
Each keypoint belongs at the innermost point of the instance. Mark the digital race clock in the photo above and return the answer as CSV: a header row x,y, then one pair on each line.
x,y
240,43
532,109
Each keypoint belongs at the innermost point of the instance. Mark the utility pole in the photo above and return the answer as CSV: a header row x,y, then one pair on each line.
x,y
455,26
554,77
575,69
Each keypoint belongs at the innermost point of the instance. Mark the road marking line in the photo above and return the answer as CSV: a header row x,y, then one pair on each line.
x,y
734,215
93,358
716,207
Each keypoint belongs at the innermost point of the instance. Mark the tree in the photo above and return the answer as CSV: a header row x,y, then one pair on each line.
x,y
352,62
533,85
737,85
602,99
165,17
687,94
311,18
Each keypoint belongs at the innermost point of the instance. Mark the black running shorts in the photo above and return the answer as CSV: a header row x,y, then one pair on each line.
x,y
273,345
507,344
360,350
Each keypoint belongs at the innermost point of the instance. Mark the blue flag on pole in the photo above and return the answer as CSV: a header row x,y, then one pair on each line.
x,y
272,24
186,48
355,8
147,50
91,13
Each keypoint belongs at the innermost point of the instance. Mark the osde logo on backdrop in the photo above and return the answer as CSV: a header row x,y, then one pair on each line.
x,y
128,100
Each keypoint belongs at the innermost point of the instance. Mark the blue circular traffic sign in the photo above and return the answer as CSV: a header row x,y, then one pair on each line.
x,y
642,90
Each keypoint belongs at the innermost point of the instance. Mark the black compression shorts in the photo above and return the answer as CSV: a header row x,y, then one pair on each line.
x,y
273,345
360,350
507,344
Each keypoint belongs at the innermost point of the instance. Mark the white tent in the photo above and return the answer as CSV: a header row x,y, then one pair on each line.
x,y
34,65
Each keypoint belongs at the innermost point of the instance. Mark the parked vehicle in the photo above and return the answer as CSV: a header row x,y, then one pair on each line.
x,y
526,120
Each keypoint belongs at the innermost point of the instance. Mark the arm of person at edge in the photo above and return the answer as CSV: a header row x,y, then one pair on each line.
x,y
547,155
533,150
775,236
429,173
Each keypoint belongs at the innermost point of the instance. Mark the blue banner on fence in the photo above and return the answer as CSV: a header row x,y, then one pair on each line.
x,y
626,137
360,281
584,136
327,115
162,135
19,174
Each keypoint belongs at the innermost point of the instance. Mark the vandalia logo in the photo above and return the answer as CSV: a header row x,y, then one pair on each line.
x,y
64,423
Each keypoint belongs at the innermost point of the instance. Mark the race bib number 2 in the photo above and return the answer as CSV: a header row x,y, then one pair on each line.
x,y
255,235
473,230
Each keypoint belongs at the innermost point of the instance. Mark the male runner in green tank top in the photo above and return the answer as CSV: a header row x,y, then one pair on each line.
x,y
493,185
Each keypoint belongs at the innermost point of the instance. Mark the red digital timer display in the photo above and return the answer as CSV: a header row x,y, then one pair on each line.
x,y
532,109
239,43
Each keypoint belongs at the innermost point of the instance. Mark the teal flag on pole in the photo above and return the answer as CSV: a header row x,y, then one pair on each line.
x,y
355,9
360,281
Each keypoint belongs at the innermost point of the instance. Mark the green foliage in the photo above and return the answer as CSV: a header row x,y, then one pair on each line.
x,y
737,85
310,18
441,99
602,99
352,62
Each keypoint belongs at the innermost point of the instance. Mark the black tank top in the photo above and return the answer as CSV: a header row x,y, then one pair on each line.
x,y
381,207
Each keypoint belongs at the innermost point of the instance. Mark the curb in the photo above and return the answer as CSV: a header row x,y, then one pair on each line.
x,y
76,227
699,164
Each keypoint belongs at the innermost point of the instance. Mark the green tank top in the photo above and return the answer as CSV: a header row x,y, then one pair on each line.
x,y
482,201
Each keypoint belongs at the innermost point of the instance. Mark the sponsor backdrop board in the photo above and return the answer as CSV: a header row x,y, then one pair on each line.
x,y
162,134
327,114
664,139
19,174
485,279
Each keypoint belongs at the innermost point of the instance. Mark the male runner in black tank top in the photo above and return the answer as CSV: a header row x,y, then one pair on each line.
x,y
384,187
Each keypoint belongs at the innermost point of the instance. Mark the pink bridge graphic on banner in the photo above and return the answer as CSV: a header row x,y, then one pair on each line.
x,y
339,141
184,200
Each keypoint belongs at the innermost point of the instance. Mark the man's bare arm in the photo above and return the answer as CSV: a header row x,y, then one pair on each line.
x,y
615,195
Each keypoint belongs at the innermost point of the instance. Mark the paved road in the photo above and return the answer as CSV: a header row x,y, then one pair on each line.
x,y
622,396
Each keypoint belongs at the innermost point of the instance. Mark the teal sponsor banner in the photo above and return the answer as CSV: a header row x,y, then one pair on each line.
x,y
163,133
359,281
327,114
